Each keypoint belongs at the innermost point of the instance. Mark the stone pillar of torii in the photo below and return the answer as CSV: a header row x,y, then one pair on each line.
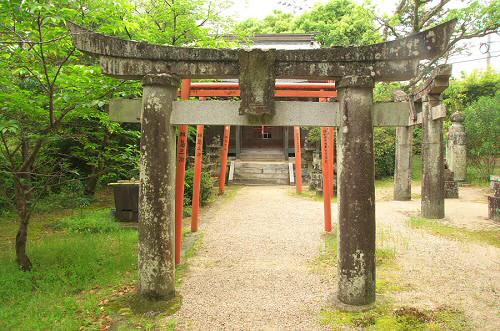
x,y
356,69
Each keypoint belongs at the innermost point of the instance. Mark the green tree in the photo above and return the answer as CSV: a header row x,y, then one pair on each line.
x,y
337,23
475,18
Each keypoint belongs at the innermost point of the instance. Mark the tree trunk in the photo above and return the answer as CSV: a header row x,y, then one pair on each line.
x,y
21,239
91,182
22,234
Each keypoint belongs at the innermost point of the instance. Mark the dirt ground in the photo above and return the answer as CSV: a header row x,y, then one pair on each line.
x,y
253,270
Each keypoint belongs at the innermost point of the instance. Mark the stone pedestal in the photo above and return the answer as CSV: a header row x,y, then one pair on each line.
x,y
316,175
494,203
432,160
356,188
157,189
403,171
450,185
456,151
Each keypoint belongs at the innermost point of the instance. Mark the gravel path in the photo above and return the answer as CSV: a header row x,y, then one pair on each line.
x,y
253,270
443,272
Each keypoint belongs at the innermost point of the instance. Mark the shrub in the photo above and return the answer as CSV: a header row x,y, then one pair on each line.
x,y
206,187
482,129
96,221
385,149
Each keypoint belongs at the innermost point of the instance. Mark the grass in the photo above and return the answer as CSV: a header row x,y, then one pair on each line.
x,y
385,315
436,227
71,274
84,273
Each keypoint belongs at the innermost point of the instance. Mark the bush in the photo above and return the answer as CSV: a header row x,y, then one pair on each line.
x,y
206,187
482,129
96,221
385,150
67,197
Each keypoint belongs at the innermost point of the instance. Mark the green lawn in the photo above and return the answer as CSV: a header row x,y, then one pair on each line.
x,y
77,261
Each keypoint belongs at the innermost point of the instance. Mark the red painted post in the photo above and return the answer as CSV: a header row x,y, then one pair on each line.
x,y
198,162
180,176
225,151
326,189
298,159
331,160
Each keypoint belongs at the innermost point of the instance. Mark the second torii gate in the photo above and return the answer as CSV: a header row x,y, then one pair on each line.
x,y
355,69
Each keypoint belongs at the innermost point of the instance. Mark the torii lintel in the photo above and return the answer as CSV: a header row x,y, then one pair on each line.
x,y
389,61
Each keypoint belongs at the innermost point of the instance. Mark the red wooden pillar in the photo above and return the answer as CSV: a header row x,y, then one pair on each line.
x,y
298,159
198,162
331,160
180,176
326,181
225,151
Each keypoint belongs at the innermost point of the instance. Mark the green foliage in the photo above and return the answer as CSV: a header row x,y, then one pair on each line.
x,y
95,221
384,92
482,129
385,142
72,273
206,187
465,91
337,23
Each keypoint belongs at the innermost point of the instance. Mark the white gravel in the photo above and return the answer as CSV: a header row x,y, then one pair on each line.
x,y
253,271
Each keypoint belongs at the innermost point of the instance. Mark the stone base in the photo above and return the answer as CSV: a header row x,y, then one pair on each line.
x,y
494,208
450,190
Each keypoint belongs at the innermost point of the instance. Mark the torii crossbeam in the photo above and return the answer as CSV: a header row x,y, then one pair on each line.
x,y
355,70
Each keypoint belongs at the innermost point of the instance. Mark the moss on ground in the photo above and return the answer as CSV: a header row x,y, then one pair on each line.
x,y
385,314
436,227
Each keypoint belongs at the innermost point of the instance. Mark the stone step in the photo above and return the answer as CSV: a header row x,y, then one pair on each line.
x,y
261,157
261,181
257,176
261,171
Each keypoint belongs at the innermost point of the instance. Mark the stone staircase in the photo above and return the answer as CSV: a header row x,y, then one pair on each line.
x,y
261,173
262,154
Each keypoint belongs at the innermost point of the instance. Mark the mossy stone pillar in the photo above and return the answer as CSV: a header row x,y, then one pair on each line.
x,y
457,160
432,160
157,189
403,169
356,192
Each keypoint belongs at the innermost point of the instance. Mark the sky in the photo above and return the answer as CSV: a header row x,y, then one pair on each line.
x,y
243,9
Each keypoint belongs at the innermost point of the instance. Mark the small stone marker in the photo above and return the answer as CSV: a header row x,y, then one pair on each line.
x,y
494,202
450,184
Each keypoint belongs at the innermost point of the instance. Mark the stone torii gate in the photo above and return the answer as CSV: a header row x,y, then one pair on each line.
x,y
355,69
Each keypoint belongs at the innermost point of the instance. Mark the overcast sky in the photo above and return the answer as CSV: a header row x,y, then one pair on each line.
x,y
243,9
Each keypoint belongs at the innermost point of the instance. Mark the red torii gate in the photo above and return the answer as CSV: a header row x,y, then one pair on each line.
x,y
322,90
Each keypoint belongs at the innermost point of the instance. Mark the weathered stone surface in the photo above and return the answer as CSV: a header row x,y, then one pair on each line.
x,y
157,189
403,170
393,60
450,185
456,151
494,208
257,82
432,161
287,113
356,193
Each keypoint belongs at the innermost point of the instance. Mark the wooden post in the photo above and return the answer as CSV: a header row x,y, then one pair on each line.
x,y
326,189
331,160
225,151
181,176
198,162
298,159
156,193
